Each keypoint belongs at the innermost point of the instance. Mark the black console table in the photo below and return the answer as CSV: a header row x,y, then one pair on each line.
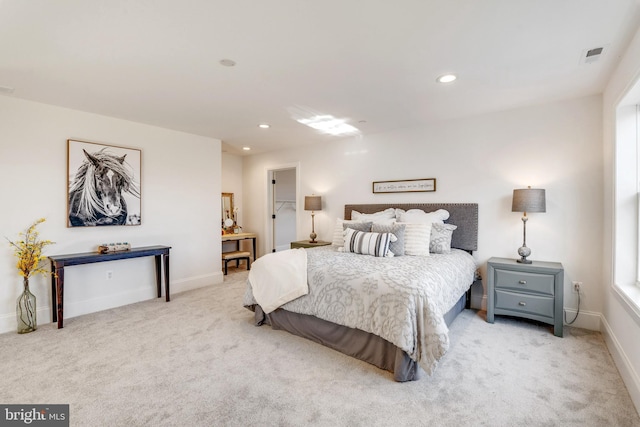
x,y
59,262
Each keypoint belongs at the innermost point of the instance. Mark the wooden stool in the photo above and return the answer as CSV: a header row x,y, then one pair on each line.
x,y
236,256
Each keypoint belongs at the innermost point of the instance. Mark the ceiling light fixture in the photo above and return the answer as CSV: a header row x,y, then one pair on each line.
x,y
264,126
446,78
246,148
329,124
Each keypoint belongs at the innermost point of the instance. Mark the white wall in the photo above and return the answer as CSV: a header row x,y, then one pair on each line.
x,y
621,325
481,159
180,207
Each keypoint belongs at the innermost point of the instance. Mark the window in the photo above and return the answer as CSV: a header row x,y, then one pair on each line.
x,y
626,263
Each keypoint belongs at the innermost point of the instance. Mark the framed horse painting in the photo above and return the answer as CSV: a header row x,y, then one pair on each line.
x,y
103,185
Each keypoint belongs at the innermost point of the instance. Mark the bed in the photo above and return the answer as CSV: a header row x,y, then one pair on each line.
x,y
391,312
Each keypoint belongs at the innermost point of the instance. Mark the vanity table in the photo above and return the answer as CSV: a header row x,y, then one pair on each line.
x,y
237,237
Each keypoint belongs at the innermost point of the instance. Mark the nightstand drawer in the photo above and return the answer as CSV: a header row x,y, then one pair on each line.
x,y
525,281
524,303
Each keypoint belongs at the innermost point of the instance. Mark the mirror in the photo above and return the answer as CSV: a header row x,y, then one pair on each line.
x,y
227,208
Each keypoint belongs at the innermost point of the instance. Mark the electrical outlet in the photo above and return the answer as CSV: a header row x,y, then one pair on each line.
x,y
109,275
577,287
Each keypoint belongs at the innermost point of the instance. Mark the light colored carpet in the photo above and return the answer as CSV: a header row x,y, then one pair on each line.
x,y
199,361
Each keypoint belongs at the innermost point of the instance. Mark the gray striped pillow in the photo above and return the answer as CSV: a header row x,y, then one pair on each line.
x,y
397,230
338,238
360,242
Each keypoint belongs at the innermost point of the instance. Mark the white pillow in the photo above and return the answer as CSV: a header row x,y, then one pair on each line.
x,y
417,237
360,242
420,216
375,217
338,238
382,221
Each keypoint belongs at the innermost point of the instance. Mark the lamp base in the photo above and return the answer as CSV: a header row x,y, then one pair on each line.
x,y
524,252
313,238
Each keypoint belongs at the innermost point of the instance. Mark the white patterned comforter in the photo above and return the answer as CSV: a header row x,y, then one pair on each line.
x,y
401,299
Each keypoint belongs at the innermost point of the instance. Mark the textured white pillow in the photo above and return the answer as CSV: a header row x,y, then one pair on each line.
x,y
338,238
360,242
420,216
440,241
375,217
416,238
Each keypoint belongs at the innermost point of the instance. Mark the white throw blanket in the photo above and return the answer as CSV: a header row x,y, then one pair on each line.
x,y
278,278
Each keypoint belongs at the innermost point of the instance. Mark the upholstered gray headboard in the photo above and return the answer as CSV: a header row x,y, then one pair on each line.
x,y
464,215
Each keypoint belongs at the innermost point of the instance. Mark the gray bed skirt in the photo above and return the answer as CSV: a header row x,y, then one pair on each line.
x,y
352,342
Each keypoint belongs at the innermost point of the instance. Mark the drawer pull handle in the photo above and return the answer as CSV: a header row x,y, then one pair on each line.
x,y
522,303
523,282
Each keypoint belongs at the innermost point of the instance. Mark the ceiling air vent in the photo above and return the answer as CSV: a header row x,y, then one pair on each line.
x,y
591,55
594,52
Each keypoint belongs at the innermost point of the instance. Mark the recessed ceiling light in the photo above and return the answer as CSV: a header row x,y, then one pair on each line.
x,y
447,78
246,148
264,126
228,62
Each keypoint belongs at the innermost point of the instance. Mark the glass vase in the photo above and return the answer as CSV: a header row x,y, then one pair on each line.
x,y
26,310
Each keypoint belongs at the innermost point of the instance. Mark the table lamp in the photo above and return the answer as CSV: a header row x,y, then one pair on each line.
x,y
527,200
312,203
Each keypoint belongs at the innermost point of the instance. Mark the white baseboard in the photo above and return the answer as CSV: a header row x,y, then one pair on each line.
x,y
8,322
196,282
624,365
586,319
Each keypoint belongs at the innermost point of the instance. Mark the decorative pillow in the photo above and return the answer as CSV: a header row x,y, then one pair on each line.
x,y
440,241
416,239
374,217
376,244
397,230
338,238
420,216
383,221
358,226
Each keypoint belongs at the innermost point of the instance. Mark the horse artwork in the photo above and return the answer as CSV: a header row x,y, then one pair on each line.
x,y
104,189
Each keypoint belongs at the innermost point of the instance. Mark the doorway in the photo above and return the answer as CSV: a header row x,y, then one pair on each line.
x,y
282,226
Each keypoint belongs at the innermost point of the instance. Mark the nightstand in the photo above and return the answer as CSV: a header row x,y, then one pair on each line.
x,y
533,291
307,244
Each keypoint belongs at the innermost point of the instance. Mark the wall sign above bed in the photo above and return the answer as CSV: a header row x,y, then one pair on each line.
x,y
405,186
